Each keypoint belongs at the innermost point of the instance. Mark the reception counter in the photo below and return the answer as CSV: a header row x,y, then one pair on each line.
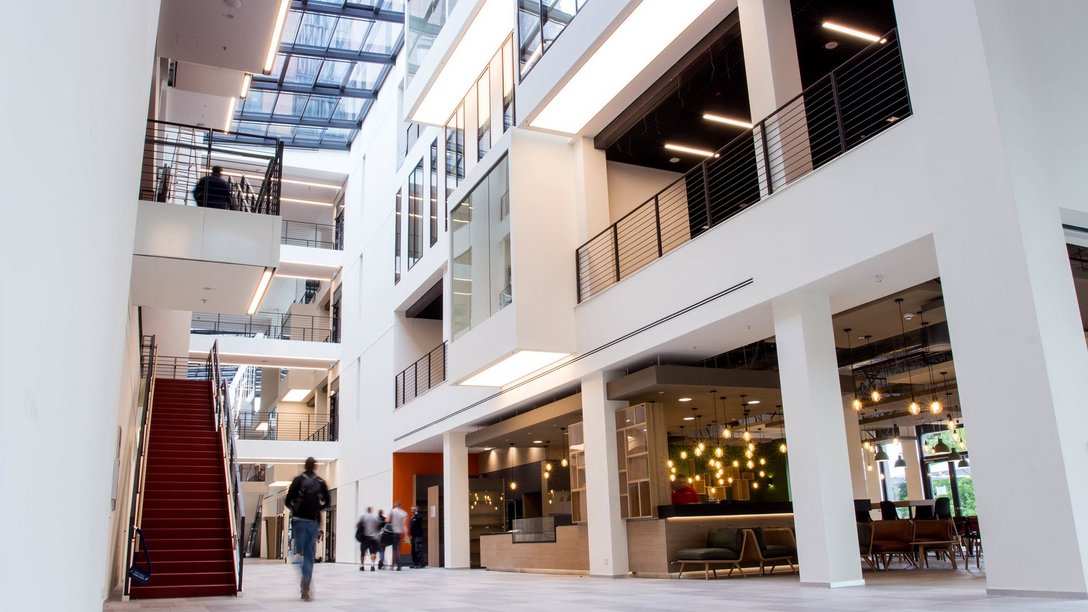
x,y
651,543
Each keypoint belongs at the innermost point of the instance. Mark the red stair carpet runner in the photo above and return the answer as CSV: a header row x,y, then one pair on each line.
x,y
186,520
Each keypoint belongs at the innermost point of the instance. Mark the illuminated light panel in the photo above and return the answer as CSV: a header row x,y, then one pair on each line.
x,y
262,288
230,114
312,202
296,395
277,32
489,29
646,32
692,150
518,365
281,483
841,29
246,81
727,121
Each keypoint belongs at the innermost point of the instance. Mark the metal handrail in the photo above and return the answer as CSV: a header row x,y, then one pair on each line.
x,y
857,100
147,370
224,424
425,374
177,157
313,235
275,325
289,427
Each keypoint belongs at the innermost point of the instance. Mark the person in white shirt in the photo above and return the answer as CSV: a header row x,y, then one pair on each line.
x,y
397,518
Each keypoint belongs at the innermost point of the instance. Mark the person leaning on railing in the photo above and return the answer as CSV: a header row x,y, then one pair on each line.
x,y
213,191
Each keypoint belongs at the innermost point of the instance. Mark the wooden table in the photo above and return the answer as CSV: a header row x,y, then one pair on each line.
x,y
906,503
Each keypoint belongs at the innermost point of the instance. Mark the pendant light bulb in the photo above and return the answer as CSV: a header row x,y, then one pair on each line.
x,y
683,454
857,405
875,395
702,446
747,436
718,452
782,448
726,433
935,407
915,408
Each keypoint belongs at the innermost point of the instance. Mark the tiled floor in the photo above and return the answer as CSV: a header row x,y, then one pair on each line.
x,y
339,587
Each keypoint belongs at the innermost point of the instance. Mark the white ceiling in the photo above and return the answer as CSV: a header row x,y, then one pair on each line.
x,y
212,33
184,284
200,109
208,79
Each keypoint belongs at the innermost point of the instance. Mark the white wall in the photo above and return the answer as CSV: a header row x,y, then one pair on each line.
x,y
629,186
67,252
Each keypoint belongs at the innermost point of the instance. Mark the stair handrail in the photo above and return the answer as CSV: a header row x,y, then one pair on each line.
x,y
224,424
139,466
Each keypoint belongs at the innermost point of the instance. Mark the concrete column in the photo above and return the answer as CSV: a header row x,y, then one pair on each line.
x,y
909,440
590,189
853,447
819,466
455,500
607,531
774,78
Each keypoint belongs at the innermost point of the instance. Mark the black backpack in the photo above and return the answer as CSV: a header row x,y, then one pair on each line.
x,y
309,495
360,532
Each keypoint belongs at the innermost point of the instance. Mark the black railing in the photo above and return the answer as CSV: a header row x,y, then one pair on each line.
x,y
855,102
290,427
425,374
275,325
314,235
180,368
178,162
139,468
224,424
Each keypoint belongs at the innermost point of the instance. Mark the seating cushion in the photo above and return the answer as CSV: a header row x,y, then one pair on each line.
x,y
707,554
932,531
775,550
725,537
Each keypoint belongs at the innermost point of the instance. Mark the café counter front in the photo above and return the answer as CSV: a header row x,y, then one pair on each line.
x,y
651,542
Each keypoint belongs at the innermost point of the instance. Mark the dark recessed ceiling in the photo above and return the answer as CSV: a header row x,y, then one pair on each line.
x,y
429,306
714,81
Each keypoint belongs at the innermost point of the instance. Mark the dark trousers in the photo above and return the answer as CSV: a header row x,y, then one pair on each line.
x,y
417,552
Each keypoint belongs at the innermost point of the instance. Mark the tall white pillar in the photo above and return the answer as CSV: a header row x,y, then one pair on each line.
x,y
819,466
911,447
853,447
455,500
774,79
607,530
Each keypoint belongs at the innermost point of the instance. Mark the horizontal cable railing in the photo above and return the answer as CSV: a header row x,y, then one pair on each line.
x,y
179,163
180,368
284,426
425,374
855,102
314,235
275,325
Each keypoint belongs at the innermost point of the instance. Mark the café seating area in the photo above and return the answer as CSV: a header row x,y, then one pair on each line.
x,y
765,548
911,541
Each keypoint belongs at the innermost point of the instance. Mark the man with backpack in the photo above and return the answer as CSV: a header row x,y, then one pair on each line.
x,y
307,497
368,533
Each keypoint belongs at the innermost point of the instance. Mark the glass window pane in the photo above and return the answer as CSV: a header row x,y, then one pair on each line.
x,y
320,107
415,215
315,30
309,134
350,34
302,70
349,109
337,135
483,115
286,132
480,246
277,67
290,27
259,102
334,73
383,37
366,75
502,291
529,33
246,127
290,105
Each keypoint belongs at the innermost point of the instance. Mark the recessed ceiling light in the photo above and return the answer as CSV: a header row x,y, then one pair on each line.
x,y
727,121
538,441
673,160
835,27
689,418
692,150
684,399
751,402
831,44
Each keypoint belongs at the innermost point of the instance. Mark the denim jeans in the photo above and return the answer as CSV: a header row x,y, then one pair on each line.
x,y
305,533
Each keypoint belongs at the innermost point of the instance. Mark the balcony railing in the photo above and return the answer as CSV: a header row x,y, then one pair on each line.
x,y
855,102
289,427
313,235
275,325
423,375
178,167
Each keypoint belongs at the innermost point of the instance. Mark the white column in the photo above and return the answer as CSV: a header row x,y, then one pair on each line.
x,y
909,440
590,189
455,500
819,466
774,78
853,447
607,531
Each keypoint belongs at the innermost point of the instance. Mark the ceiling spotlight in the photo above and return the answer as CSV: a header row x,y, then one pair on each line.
x,y
831,45
691,150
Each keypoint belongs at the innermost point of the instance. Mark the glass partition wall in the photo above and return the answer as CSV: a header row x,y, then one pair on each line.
x,y
482,283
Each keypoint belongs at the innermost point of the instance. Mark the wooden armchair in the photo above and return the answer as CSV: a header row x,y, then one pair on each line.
x,y
893,539
724,546
938,535
865,545
772,546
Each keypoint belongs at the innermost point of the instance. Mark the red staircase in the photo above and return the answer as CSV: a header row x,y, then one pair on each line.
x,y
186,520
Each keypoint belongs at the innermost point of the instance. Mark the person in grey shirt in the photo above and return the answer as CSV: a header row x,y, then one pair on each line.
x,y
397,517
371,526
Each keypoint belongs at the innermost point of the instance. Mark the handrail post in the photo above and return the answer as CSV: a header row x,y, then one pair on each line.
x,y
706,191
657,223
616,248
578,272
766,157
838,112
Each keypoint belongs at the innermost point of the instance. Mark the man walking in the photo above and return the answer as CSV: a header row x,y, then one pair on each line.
x,y
371,528
397,517
415,529
213,191
307,497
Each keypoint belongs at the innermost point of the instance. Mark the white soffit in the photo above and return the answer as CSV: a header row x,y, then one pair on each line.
x,y
642,36
208,79
212,33
186,284
483,38
200,109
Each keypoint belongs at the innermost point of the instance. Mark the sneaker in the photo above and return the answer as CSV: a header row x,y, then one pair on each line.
x,y
372,568
398,568
362,568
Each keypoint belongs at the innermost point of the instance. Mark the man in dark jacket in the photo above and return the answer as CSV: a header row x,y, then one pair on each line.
x,y
415,529
307,497
213,191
